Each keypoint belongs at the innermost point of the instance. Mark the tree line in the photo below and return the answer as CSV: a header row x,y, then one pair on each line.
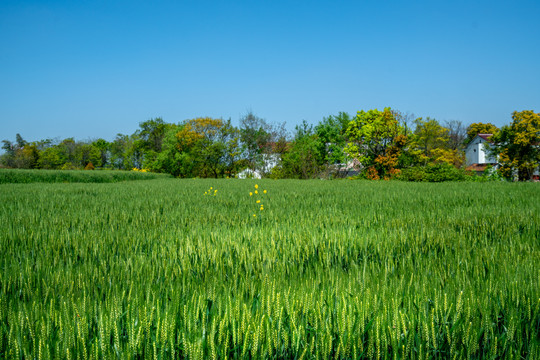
x,y
374,144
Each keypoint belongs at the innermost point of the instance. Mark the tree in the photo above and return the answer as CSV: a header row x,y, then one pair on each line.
x,y
170,159
52,158
126,152
20,141
260,141
457,133
152,133
232,160
429,135
104,150
331,140
8,158
27,157
87,153
436,144
405,120
255,135
21,154
208,148
518,145
376,139
480,128
68,148
303,159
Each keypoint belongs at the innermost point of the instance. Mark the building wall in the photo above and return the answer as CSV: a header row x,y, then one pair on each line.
x,y
476,153
472,151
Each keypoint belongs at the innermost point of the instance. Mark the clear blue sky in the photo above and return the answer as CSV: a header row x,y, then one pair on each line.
x,y
90,69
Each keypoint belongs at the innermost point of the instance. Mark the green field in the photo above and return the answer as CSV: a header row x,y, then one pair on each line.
x,y
24,176
328,269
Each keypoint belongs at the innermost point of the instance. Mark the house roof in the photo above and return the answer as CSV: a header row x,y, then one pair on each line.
x,y
485,136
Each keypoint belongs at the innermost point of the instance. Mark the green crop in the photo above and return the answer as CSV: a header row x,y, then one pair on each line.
x,y
330,269
14,176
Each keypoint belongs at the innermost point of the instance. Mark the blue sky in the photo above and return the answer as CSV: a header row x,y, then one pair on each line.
x,y
89,69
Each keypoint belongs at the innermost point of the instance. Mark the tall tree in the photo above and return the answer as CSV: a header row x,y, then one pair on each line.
x,y
303,159
261,141
8,158
518,145
376,139
331,140
256,137
20,141
435,144
86,153
430,135
104,148
208,145
152,132
457,133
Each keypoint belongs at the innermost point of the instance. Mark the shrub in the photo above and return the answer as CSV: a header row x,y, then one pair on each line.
x,y
433,173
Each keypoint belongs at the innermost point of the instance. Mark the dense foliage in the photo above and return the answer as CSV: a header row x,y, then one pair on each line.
x,y
373,144
286,269
518,145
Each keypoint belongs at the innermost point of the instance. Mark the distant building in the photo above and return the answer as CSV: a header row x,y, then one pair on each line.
x,y
477,156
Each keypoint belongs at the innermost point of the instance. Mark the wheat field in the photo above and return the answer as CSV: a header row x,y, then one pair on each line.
x,y
197,269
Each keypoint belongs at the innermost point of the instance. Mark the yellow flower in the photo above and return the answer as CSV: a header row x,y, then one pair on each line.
x,y
256,192
258,201
250,193
210,188
264,191
256,186
215,191
254,215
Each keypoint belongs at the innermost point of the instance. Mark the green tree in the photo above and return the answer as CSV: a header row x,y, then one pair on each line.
x,y
518,145
430,136
435,144
256,137
208,148
28,157
171,160
376,139
303,159
87,153
20,141
68,149
104,151
331,140
261,141
52,158
8,158
21,154
152,132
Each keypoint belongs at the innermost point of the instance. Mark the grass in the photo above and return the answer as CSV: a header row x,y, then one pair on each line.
x,y
341,269
15,176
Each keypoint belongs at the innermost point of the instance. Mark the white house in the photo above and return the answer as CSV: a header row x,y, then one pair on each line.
x,y
478,158
476,154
